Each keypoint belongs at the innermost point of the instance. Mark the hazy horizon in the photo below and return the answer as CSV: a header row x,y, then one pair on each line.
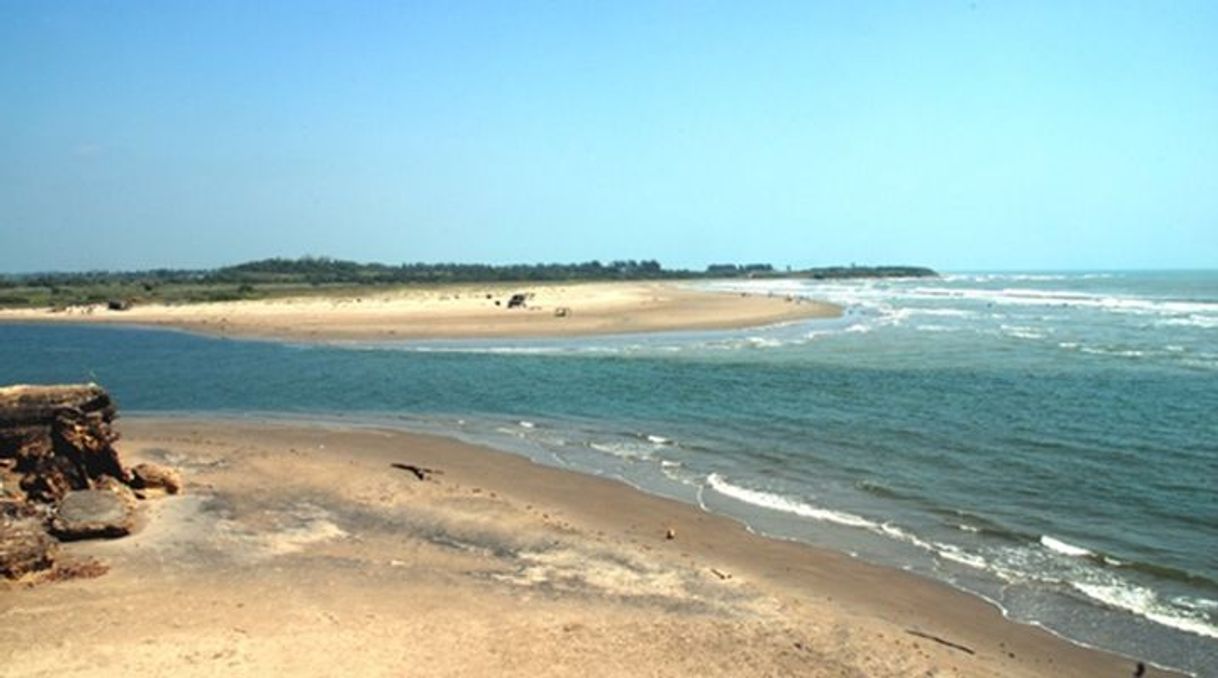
x,y
694,268
962,136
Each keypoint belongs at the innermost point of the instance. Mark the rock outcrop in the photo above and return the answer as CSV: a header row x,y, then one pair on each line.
x,y
60,474
54,439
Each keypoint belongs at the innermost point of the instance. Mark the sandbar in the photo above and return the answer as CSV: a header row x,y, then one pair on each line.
x,y
459,311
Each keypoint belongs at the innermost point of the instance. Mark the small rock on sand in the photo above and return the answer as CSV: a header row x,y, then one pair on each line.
x,y
156,477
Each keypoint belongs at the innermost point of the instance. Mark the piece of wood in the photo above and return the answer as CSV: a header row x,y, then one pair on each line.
x,y
941,641
419,472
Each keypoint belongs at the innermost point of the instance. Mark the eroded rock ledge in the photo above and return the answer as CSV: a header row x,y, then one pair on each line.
x,y
60,475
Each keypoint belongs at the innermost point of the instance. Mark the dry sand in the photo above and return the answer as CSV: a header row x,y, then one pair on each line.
x,y
459,311
299,550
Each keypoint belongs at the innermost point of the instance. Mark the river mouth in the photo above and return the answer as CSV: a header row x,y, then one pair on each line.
x,y
1042,443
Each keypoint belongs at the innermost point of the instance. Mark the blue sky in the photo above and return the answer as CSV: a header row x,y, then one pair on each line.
x,y
960,135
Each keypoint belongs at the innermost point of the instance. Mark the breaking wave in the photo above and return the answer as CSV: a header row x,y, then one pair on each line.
x,y
1064,548
777,502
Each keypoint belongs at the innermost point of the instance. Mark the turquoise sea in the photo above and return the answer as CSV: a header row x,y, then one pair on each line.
x,y
1047,441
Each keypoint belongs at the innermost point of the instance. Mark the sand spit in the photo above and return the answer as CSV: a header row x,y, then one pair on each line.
x,y
459,311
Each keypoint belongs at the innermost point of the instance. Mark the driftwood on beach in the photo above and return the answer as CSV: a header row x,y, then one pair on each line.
x,y
60,474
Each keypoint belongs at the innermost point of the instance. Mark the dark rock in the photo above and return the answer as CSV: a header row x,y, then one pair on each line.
x,y
85,514
57,438
25,548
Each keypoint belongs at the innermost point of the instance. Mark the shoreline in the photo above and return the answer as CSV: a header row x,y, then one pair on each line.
x,y
463,311
845,613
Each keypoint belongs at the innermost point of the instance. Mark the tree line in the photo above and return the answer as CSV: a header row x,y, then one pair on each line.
x,y
327,271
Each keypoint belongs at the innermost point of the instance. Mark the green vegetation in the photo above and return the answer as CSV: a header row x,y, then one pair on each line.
x,y
319,276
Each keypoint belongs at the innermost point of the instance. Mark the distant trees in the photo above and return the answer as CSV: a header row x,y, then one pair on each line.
x,y
243,278
730,270
319,270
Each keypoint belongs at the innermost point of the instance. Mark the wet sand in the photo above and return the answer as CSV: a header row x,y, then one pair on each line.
x,y
300,550
458,311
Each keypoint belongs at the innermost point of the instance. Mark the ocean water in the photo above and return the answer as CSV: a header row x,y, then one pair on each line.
x,y
1047,441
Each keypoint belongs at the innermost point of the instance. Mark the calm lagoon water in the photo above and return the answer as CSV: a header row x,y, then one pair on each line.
x,y
1048,441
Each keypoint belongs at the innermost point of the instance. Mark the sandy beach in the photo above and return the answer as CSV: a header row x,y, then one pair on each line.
x,y
299,549
458,311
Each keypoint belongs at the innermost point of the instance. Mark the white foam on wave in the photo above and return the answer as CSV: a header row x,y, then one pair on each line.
x,y
890,303
1022,332
1105,589
943,312
1145,603
541,347
1019,296
623,450
954,553
890,530
959,555
1064,548
1020,564
527,424
1196,603
788,505
946,551
659,440
1195,320
777,502
1116,352
993,277
764,342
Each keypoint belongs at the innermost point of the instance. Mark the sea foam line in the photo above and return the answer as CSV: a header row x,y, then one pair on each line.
x,y
1144,603
777,502
1116,593
1064,548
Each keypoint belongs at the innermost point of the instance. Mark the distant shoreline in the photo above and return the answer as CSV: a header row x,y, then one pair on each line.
x,y
457,311
324,277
